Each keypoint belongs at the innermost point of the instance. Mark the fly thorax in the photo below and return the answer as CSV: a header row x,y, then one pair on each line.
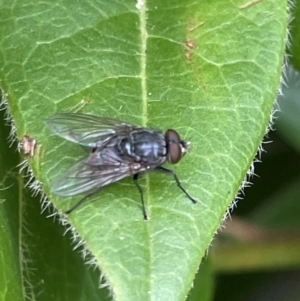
x,y
125,147
149,146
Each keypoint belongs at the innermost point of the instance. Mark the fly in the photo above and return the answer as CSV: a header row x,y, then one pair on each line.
x,y
117,150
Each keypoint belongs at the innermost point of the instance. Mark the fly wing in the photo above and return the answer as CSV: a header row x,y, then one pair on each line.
x,y
89,174
88,130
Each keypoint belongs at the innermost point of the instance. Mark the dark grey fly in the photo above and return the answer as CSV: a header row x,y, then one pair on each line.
x,y
117,150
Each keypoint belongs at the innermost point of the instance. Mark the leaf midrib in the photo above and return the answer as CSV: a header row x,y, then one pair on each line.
x,y
144,36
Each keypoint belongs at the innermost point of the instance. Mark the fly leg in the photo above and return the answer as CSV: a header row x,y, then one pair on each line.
x,y
135,179
81,201
171,172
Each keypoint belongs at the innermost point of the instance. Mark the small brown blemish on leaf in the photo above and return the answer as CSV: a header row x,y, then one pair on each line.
x,y
188,46
27,144
248,4
189,43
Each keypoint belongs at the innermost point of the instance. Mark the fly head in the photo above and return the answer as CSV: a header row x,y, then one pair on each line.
x,y
176,148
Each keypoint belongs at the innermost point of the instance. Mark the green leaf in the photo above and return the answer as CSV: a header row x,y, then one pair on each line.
x,y
10,272
37,260
208,69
